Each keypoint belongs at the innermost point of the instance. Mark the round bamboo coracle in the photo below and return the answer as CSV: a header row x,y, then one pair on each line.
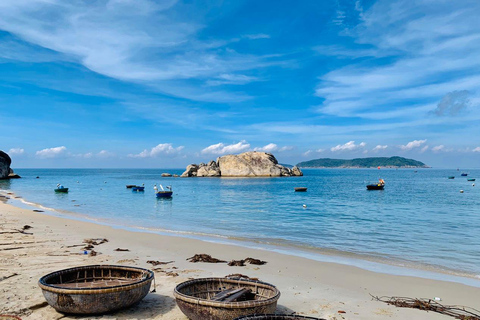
x,y
275,317
95,289
194,298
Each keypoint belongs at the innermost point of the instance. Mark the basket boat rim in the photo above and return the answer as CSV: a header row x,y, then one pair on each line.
x,y
42,283
227,305
266,316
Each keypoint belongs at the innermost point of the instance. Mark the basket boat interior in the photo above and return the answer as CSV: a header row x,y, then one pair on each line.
x,y
96,277
209,288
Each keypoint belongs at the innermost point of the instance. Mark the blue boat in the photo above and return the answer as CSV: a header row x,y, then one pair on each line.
x,y
464,174
163,193
138,189
61,188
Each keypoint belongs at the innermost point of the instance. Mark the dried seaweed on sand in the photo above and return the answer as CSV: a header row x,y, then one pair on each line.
x,y
458,312
95,242
204,258
241,263
240,276
120,249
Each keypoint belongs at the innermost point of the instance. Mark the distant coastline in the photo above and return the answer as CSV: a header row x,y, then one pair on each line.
x,y
359,163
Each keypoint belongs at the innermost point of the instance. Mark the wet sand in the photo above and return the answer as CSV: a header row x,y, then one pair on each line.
x,y
308,287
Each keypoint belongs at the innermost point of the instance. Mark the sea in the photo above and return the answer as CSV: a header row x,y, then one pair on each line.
x,y
421,224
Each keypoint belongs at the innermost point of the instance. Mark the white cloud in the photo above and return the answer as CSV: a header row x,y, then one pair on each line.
x,y
349,146
161,149
380,147
221,148
424,149
438,148
286,148
413,144
307,153
105,154
51,152
268,148
477,149
16,151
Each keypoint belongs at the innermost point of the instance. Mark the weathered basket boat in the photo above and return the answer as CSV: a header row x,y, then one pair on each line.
x,y
194,298
95,289
275,317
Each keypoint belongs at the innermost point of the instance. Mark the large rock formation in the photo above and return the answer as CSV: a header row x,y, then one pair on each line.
x,y
247,164
5,162
5,171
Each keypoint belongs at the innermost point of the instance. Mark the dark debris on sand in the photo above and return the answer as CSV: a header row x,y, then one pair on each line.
x,y
156,263
205,258
241,263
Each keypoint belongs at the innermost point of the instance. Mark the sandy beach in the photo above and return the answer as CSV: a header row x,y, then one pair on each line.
x,y
308,287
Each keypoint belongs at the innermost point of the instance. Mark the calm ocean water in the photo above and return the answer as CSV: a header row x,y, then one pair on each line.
x,y
420,220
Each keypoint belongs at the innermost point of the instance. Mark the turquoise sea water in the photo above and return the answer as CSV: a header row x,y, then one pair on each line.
x,y
421,220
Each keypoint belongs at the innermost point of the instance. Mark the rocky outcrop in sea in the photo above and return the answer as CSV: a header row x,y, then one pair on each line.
x,y
247,164
5,171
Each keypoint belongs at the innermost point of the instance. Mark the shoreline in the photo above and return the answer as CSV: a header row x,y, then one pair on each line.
x,y
363,261
308,287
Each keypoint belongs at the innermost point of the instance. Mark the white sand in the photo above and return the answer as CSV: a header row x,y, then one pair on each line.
x,y
308,287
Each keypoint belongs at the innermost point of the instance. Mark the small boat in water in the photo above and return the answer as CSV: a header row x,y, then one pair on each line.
x,y
138,188
471,179
61,189
451,177
378,186
130,186
464,174
300,189
163,193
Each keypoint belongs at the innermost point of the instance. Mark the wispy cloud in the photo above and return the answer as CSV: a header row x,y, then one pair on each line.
x,y
16,151
257,36
349,146
439,40
477,149
453,103
160,149
51,152
221,148
160,47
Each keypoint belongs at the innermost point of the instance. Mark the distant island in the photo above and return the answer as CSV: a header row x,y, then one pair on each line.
x,y
392,162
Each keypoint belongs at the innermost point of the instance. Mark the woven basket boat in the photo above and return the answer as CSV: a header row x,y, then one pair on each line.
x,y
275,317
194,298
95,289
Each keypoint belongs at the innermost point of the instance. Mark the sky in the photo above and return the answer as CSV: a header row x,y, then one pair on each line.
x,y
162,84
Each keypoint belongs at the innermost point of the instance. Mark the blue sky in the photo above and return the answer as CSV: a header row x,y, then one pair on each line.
x,y
139,83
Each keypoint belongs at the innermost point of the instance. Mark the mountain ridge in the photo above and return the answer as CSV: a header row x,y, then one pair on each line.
x,y
371,162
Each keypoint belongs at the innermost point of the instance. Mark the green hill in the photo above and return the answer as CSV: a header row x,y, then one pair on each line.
x,y
392,162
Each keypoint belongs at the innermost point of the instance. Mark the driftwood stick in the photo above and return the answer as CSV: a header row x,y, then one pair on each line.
x,y
14,248
458,312
9,276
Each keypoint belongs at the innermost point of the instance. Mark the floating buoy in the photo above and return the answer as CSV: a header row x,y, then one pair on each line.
x,y
305,206
378,168
473,184
461,191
